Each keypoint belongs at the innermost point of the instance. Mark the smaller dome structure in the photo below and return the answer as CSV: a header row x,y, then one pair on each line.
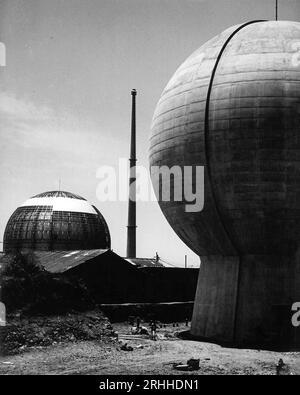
x,y
56,221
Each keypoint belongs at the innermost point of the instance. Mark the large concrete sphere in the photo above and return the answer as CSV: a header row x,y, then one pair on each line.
x,y
250,148
234,108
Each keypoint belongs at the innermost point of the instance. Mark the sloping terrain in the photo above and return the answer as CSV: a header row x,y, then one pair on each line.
x,y
148,357
23,333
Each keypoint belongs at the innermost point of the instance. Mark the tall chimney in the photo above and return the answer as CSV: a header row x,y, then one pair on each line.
x,y
131,228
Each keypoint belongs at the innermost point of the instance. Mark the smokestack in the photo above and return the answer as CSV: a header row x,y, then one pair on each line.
x,y
131,228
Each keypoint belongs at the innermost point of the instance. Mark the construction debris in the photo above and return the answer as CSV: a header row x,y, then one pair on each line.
x,y
191,365
125,347
30,332
141,330
282,369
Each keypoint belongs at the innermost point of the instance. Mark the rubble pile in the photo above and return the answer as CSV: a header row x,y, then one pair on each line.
x,y
28,332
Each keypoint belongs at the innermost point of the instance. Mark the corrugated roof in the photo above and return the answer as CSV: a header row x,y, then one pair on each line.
x,y
145,262
62,261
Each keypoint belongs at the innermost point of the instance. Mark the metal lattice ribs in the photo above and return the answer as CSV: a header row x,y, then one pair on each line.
x,y
56,221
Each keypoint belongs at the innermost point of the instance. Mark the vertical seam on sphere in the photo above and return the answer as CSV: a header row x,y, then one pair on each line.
x,y
206,126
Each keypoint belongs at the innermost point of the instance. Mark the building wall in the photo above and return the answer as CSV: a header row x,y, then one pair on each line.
x,y
169,284
111,279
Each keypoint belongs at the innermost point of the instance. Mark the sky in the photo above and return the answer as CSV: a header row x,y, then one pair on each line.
x,y
65,95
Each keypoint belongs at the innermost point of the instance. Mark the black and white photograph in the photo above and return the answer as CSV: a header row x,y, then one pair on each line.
x,y
149,190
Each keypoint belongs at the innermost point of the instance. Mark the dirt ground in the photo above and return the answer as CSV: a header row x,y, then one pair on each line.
x,y
148,357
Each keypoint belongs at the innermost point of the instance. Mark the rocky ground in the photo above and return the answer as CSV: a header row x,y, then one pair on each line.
x,y
104,355
25,333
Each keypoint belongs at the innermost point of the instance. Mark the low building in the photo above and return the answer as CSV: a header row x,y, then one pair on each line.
x,y
113,279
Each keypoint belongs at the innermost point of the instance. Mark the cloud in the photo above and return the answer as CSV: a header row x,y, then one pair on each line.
x,y
19,109
35,127
38,127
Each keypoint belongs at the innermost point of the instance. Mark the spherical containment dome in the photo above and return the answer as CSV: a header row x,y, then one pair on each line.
x,y
234,108
54,221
